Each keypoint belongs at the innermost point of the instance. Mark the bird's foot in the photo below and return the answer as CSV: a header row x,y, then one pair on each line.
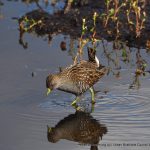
x,y
76,107
73,103
93,102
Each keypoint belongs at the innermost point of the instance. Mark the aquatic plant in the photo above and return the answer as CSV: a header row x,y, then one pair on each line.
x,y
134,10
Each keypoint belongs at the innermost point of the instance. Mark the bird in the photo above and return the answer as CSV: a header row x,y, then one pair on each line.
x,y
78,78
79,127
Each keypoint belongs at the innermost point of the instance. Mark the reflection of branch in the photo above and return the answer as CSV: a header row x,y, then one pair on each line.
x,y
68,6
108,54
38,5
1,3
49,38
1,15
21,42
109,58
72,49
135,83
34,1
140,61
140,70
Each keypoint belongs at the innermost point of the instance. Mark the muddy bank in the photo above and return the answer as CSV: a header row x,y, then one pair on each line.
x,y
70,23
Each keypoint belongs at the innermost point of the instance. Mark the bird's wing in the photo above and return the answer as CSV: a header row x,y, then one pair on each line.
x,y
85,75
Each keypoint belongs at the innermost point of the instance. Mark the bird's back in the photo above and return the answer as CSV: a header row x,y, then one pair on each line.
x,y
83,75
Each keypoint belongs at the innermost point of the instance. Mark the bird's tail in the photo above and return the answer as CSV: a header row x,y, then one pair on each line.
x,y
92,56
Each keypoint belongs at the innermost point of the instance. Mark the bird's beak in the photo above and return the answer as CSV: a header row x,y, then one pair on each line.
x,y
48,91
49,129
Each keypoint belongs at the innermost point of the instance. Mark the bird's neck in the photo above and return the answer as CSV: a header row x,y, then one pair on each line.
x,y
57,80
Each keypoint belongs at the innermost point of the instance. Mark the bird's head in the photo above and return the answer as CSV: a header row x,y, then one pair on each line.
x,y
51,83
52,135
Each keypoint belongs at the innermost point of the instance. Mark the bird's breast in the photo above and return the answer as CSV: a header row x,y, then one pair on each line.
x,y
70,88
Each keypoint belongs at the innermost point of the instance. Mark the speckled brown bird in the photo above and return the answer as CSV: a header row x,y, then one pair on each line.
x,y
79,127
78,78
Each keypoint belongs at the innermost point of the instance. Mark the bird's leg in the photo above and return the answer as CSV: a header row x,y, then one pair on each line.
x,y
92,107
75,101
92,94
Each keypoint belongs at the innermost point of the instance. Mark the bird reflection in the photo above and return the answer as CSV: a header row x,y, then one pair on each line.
x,y
79,127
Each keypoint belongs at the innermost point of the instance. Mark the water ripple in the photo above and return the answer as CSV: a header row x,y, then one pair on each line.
x,y
127,116
125,113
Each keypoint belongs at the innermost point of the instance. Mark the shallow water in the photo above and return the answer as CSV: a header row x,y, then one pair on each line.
x,y
25,111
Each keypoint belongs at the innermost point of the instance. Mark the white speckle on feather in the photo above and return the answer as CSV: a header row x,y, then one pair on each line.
x,y
97,61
